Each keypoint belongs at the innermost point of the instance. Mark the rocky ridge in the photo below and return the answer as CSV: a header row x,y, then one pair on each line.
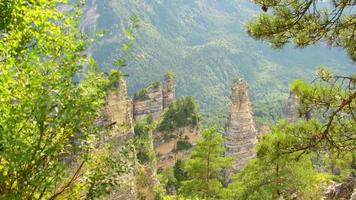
x,y
154,99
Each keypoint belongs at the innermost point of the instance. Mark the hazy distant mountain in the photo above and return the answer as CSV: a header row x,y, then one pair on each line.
x,y
205,44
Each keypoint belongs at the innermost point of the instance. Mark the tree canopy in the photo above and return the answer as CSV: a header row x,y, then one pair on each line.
x,y
306,22
205,167
51,96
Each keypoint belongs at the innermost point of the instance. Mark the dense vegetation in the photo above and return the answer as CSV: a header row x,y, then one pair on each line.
x,y
274,175
181,113
205,44
51,96
205,167
146,159
55,144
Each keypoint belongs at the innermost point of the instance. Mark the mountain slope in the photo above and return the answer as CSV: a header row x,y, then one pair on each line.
x,y
205,44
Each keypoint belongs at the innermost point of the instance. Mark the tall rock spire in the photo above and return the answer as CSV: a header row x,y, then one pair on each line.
x,y
169,91
240,132
291,111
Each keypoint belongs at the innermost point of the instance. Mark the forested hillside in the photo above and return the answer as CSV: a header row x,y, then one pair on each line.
x,y
205,43
72,128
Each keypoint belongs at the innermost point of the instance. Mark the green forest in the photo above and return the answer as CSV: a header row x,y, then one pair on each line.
x,y
178,100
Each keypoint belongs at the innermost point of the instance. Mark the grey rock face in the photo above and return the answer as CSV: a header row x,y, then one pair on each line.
x,y
345,190
156,100
240,133
291,111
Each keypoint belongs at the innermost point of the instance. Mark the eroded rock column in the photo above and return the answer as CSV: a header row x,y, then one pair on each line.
x,y
291,111
169,91
240,132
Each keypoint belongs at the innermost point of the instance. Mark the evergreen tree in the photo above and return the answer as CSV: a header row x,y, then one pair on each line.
x,y
330,100
274,175
306,22
205,167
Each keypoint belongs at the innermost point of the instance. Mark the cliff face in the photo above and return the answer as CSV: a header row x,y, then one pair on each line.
x,y
240,133
169,146
150,103
117,115
118,107
175,145
154,99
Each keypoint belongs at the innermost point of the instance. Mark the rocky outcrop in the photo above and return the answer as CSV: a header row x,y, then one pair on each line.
x,y
117,115
175,145
291,112
341,191
118,107
240,133
154,99
150,102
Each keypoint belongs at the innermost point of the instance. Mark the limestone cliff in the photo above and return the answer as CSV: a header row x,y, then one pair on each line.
x,y
118,108
240,133
117,115
175,145
153,99
149,102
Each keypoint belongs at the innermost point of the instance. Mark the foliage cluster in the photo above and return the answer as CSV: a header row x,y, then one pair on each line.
x,y
170,75
51,96
182,112
274,175
146,160
306,22
205,166
183,145
143,142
